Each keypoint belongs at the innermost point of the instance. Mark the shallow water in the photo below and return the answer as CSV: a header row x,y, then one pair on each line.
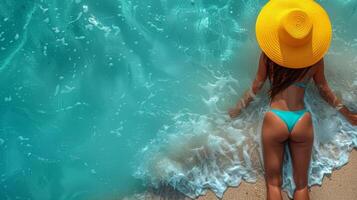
x,y
103,99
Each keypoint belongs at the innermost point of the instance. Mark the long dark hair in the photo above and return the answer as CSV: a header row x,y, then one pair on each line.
x,y
281,77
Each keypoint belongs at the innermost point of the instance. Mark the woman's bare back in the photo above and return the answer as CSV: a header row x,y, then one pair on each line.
x,y
292,98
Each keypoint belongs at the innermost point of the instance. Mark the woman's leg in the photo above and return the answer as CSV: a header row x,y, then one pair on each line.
x,y
300,145
274,134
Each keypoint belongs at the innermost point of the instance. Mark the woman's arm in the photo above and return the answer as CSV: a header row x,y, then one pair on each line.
x,y
328,95
249,94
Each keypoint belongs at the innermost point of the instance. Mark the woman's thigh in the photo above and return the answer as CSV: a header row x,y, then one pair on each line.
x,y
300,145
274,135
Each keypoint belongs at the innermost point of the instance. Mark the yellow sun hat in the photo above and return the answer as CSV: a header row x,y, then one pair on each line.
x,y
293,33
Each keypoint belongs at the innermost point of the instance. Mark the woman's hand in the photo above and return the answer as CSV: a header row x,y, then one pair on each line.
x,y
234,112
350,116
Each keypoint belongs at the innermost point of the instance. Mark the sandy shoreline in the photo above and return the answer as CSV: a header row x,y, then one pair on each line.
x,y
341,185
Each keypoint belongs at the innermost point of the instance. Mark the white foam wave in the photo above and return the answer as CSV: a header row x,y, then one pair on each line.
x,y
200,152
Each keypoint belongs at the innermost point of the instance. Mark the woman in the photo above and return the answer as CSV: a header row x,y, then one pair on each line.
x,y
294,35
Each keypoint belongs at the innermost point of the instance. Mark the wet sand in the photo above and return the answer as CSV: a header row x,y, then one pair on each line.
x,y
341,185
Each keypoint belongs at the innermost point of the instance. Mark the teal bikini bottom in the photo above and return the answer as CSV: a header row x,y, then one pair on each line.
x,y
290,117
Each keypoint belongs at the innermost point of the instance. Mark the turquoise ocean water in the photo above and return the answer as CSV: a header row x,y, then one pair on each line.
x,y
107,99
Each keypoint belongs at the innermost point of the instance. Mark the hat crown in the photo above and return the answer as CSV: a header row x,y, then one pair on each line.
x,y
296,26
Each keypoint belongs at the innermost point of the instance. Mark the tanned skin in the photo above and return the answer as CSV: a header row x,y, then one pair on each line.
x,y
275,132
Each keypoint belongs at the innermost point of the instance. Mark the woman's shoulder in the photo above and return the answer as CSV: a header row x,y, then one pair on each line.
x,y
315,67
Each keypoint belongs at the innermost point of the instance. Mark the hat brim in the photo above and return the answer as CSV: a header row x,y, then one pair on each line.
x,y
305,55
